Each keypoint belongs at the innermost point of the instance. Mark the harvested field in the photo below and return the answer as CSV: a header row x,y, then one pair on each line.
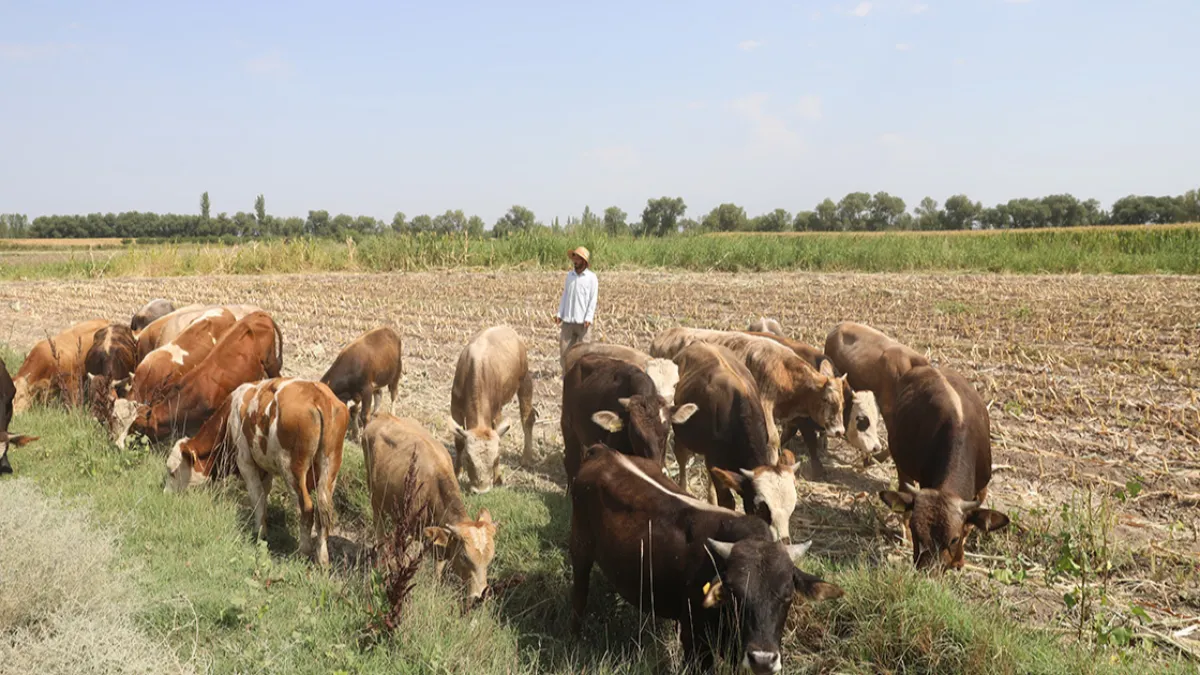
x,y
1091,382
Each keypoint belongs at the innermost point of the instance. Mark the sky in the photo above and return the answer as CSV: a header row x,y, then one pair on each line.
x,y
372,108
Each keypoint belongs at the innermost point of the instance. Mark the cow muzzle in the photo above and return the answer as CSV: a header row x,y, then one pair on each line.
x,y
836,431
759,662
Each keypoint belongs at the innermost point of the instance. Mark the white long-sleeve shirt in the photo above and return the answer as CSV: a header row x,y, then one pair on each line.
x,y
578,304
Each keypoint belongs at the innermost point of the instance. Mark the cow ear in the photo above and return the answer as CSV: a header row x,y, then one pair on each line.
x,y
987,519
814,588
899,502
684,413
485,517
624,402
727,479
787,459
608,420
21,440
714,593
438,536
505,425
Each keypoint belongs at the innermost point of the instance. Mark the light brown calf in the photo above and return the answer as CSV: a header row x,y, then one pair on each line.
x,y
292,429
391,445
54,363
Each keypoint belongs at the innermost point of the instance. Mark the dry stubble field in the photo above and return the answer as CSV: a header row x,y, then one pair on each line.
x,y
1091,382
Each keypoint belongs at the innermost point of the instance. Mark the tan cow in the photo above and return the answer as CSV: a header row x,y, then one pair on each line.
x,y
391,445
293,429
872,361
491,369
764,325
54,363
789,386
664,372
170,362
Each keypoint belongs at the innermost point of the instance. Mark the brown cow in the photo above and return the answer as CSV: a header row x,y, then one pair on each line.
x,y
764,325
148,313
55,363
7,391
860,413
872,361
664,372
944,446
615,402
391,445
282,427
170,362
249,351
109,361
491,369
361,371
166,328
788,385
717,573
730,431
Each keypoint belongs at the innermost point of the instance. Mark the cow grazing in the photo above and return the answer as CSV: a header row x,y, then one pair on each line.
x,y
55,366
860,412
664,372
109,360
169,363
788,386
872,362
719,574
730,431
251,350
615,402
944,447
292,429
391,446
764,325
491,369
7,391
148,313
361,371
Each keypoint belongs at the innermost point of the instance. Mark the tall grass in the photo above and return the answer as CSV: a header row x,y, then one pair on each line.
x,y
1120,250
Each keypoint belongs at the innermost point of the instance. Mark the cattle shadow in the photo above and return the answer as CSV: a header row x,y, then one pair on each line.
x,y
282,537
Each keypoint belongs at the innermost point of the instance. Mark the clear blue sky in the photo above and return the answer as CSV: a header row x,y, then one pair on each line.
x,y
370,108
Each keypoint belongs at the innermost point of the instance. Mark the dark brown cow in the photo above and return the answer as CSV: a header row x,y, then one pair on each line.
x,y
730,430
615,402
55,363
251,350
872,362
293,429
860,413
361,371
148,313
664,372
719,574
109,361
7,391
944,446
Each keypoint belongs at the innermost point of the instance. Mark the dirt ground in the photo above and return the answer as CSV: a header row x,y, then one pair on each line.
x,y
1091,382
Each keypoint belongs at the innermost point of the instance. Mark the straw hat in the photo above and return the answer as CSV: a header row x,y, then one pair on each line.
x,y
582,253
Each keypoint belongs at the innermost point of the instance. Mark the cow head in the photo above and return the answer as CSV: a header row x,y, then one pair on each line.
x,y
469,547
768,492
829,408
125,414
182,469
940,523
758,580
665,375
23,396
7,439
862,423
481,454
650,420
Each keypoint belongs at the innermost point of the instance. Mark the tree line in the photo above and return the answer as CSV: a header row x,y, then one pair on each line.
x,y
856,212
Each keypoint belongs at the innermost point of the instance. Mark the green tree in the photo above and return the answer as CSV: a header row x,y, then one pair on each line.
x,y
421,224
1027,213
317,224
928,215
204,206
778,220
475,226
961,213
450,222
995,218
400,223
14,225
853,211
886,211
1064,211
260,211
614,221
518,219
661,217
825,218
725,218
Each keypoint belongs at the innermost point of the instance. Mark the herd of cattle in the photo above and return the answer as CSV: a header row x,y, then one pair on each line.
x,y
208,378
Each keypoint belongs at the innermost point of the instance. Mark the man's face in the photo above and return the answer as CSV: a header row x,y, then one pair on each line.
x,y
578,262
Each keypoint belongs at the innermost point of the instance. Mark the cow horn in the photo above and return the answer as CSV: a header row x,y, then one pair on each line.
x,y
797,551
969,506
910,488
721,548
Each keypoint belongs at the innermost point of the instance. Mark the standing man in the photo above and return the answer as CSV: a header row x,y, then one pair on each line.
x,y
578,305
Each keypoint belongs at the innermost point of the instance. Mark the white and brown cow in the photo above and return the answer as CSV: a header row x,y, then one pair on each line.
x,y
293,429
170,362
167,327
392,447
663,372
361,371
148,313
54,367
491,369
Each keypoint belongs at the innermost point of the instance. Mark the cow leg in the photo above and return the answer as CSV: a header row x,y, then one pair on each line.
x,y
772,430
299,487
459,448
815,444
525,402
903,480
682,457
719,494
257,488
582,557
364,413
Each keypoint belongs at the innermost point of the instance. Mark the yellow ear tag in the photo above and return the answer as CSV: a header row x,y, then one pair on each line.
x,y
899,508
707,587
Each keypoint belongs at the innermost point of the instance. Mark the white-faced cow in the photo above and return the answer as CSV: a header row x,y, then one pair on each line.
x,y
393,446
7,391
361,371
614,402
664,372
719,574
730,430
148,313
788,386
54,367
491,369
292,429
941,445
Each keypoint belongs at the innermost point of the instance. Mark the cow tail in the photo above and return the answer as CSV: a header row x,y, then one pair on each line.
x,y
325,477
278,348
